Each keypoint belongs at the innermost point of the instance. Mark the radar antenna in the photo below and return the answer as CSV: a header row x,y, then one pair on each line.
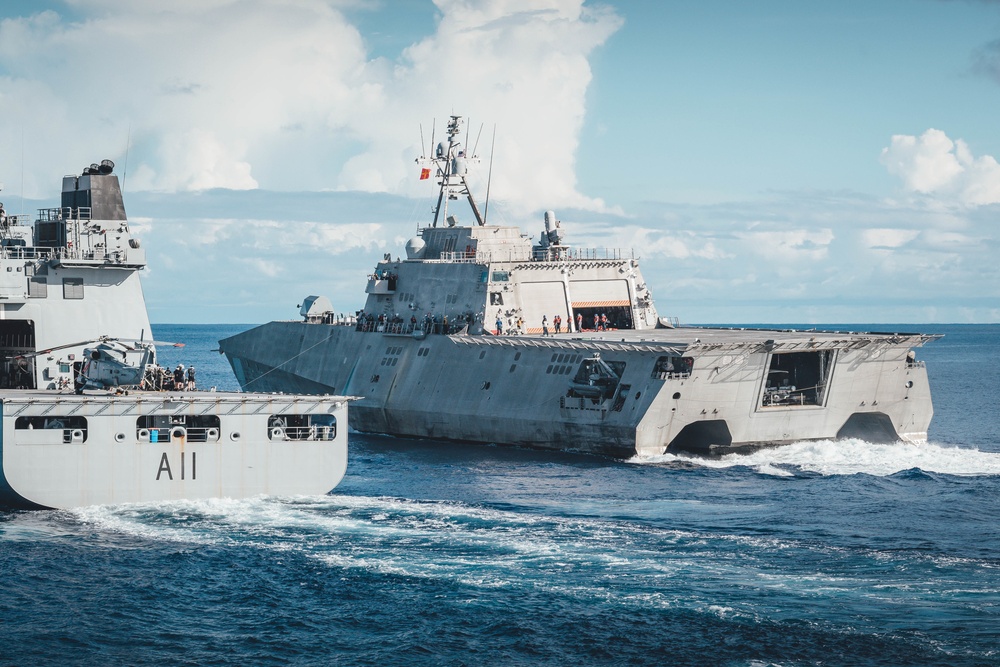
x,y
450,164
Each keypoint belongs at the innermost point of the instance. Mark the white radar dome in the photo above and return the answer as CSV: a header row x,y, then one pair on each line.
x,y
415,248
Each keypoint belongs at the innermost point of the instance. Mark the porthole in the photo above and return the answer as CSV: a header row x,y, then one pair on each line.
x,y
638,394
120,437
235,436
909,384
677,395
482,355
486,385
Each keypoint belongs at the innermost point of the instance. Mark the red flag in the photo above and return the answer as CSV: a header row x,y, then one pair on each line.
x,y
425,174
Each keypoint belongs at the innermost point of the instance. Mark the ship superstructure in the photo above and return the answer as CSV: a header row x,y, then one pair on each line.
x,y
484,334
73,320
71,274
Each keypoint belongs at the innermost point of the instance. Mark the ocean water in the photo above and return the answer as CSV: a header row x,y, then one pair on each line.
x,y
433,553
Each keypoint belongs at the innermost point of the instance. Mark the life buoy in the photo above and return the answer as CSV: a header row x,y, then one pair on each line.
x,y
277,433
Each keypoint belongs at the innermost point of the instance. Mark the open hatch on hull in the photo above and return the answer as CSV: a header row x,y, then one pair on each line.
x,y
797,379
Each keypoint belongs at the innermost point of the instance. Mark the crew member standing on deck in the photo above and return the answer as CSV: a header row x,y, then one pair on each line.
x,y
557,321
579,322
190,379
545,325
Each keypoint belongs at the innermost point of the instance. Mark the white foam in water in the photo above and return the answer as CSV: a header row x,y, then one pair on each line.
x,y
849,457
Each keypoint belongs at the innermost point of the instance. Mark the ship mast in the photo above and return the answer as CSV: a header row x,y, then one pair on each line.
x,y
451,165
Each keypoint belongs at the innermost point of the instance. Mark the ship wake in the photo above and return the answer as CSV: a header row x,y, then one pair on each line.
x,y
848,457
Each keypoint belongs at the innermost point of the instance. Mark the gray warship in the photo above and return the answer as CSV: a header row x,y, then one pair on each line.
x,y
487,335
79,423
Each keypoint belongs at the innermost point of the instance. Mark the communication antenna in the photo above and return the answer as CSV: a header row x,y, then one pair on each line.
x,y
128,141
22,171
474,150
489,175
433,123
423,150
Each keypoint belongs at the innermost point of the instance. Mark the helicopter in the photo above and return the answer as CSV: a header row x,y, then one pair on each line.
x,y
112,363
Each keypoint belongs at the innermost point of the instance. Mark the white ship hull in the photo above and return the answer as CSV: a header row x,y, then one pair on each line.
x,y
64,450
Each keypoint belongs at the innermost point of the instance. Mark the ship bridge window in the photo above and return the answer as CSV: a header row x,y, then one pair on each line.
x,y
311,427
796,379
164,428
501,276
51,430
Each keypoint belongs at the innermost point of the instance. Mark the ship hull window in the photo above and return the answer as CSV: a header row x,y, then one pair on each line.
x,y
796,379
302,427
161,428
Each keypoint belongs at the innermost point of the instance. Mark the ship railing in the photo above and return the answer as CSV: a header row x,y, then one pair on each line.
x,y
485,257
582,403
552,253
407,328
27,252
555,253
463,256
17,219
64,213
168,433
671,375
36,252
385,327
313,432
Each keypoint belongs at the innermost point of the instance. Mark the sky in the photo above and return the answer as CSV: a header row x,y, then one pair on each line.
x,y
778,161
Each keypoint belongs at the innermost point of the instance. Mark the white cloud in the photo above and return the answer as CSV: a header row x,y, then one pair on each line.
x,y
933,164
285,95
888,238
793,245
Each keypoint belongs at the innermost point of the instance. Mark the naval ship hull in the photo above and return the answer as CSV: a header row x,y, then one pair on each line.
x,y
65,450
720,393
453,342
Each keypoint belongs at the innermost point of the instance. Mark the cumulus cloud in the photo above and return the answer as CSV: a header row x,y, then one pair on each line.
x,y
933,164
243,94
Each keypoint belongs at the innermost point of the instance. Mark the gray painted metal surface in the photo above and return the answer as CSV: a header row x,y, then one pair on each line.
x,y
459,341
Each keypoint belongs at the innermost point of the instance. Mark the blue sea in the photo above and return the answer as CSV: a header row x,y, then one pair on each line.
x,y
434,553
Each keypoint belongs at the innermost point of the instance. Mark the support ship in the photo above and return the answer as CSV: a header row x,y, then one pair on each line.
x,y
458,341
78,428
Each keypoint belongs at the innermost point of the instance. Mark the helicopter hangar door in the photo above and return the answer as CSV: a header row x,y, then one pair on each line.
x,y
608,298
